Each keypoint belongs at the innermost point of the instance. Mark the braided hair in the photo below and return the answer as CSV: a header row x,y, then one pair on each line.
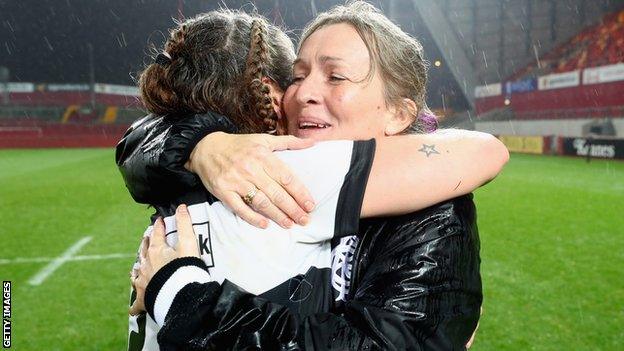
x,y
255,72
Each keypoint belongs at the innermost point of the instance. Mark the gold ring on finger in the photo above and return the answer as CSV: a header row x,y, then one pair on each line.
x,y
248,199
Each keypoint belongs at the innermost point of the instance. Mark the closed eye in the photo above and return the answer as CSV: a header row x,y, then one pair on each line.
x,y
334,78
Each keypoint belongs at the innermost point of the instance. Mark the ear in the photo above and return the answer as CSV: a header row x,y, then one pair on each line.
x,y
276,93
404,115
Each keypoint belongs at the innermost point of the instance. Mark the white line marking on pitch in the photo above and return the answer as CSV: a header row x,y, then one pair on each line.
x,y
74,258
44,273
100,257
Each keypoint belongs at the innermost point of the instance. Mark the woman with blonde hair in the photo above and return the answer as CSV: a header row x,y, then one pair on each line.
x,y
408,281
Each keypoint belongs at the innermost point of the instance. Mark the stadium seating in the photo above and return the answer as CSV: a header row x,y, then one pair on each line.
x,y
72,117
598,45
570,81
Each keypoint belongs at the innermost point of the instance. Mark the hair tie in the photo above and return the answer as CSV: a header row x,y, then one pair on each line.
x,y
163,59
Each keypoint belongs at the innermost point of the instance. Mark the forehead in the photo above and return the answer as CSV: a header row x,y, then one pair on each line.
x,y
340,41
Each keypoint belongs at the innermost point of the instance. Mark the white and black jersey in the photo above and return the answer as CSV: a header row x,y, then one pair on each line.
x,y
293,266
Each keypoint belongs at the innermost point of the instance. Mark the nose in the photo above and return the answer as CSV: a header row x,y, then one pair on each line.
x,y
308,92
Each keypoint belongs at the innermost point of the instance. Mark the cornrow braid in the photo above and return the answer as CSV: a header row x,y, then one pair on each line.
x,y
255,71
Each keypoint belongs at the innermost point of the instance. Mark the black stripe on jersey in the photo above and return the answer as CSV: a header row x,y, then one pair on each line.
x,y
351,194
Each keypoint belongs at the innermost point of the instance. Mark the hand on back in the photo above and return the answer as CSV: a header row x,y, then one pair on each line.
x,y
156,253
235,168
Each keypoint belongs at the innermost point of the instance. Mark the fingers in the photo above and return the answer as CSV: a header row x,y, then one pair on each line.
x,y
234,201
273,201
144,248
138,305
247,161
140,276
158,235
288,142
472,338
269,176
280,206
263,205
187,243
135,309
183,222
285,186
470,342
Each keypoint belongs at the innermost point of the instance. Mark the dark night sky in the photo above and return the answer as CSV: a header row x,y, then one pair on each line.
x,y
47,40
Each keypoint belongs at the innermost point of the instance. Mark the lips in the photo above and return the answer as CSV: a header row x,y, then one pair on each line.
x,y
309,126
312,123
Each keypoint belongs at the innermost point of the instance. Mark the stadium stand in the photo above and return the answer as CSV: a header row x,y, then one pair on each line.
x,y
65,115
569,103
598,45
581,78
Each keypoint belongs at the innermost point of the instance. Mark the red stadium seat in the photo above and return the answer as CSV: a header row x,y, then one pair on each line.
x,y
597,45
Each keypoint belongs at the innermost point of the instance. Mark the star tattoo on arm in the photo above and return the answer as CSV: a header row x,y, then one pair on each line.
x,y
428,149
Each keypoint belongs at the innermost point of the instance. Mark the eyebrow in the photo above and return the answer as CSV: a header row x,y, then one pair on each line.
x,y
323,59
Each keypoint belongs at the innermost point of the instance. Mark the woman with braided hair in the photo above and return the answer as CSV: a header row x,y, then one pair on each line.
x,y
224,62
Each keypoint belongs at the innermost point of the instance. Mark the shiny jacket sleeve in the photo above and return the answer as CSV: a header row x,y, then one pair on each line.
x,y
152,153
197,314
416,286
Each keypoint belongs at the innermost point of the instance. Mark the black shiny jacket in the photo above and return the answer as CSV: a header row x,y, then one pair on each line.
x,y
415,280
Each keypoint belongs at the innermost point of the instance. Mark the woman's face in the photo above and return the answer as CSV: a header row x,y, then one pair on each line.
x,y
330,97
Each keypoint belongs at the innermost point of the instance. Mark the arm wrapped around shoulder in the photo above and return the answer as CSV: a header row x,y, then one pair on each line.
x,y
152,154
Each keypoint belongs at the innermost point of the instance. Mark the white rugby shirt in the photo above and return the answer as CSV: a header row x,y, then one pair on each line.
x,y
263,261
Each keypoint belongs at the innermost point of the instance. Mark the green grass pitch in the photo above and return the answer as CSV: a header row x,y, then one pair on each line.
x,y
552,241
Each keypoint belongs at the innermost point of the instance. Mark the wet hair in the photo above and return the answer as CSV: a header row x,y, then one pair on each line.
x,y
218,62
397,56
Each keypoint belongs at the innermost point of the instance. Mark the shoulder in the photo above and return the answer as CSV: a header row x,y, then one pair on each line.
x,y
135,136
200,121
154,133
153,122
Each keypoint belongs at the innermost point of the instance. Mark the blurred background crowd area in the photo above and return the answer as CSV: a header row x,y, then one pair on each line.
x,y
550,70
